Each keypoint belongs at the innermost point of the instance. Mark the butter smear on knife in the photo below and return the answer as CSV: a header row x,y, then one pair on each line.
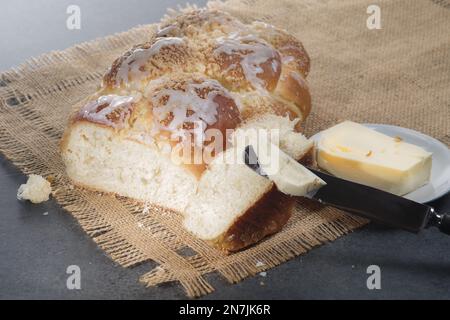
x,y
289,176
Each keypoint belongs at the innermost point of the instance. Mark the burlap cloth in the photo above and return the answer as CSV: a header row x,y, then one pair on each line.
x,y
397,75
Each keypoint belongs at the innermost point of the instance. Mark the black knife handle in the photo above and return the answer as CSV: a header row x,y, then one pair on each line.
x,y
444,226
441,220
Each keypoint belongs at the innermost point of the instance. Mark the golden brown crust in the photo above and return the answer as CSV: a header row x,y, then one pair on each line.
x,y
231,60
267,216
293,89
248,59
199,21
293,53
308,158
151,60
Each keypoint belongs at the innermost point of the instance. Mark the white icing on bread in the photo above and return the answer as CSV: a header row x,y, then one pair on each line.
x,y
253,52
110,110
186,110
132,68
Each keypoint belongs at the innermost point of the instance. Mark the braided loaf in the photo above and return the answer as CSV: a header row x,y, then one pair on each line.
x,y
203,69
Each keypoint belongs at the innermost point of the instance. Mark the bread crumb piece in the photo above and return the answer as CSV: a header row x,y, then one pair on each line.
x,y
37,189
262,283
369,153
398,139
263,274
45,214
259,264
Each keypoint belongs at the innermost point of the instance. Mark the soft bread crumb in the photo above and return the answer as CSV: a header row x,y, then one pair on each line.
x,y
36,190
211,204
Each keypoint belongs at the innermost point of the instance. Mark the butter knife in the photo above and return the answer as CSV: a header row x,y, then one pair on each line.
x,y
368,202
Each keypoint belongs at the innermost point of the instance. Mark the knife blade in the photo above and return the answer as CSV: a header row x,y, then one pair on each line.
x,y
368,202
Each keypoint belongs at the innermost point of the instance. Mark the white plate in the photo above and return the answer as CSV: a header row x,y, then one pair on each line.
x,y
439,183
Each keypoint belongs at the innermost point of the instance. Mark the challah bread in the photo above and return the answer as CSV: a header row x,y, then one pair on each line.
x,y
204,71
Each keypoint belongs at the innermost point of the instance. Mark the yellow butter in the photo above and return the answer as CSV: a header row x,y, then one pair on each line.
x,y
356,153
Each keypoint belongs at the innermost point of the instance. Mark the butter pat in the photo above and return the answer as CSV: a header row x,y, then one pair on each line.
x,y
356,153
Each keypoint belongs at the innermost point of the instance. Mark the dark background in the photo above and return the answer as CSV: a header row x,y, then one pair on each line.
x,y
36,249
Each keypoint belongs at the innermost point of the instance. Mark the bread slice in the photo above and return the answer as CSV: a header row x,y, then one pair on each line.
x,y
229,205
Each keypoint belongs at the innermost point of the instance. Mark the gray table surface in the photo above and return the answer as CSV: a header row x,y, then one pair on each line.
x,y
35,249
